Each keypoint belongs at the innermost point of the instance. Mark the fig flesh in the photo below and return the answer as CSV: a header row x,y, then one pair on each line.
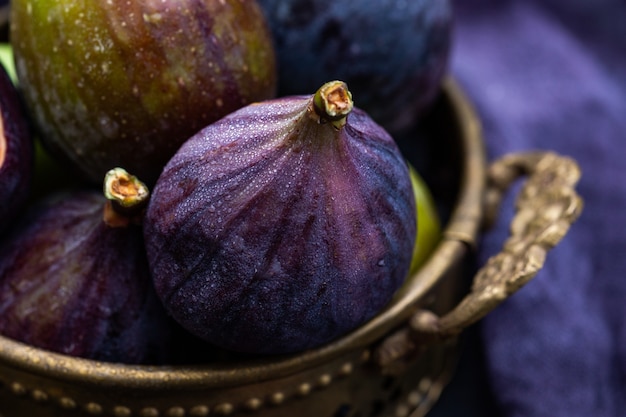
x,y
16,152
282,226
392,53
74,280
124,83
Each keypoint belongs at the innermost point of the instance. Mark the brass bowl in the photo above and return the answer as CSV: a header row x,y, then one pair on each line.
x,y
394,365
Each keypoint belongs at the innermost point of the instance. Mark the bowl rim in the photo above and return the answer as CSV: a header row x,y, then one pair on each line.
x,y
459,235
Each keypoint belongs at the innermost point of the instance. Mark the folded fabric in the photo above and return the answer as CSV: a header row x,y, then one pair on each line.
x,y
551,75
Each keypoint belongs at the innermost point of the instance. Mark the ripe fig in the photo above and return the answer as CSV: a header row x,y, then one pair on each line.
x,y
48,174
388,51
124,82
74,278
282,226
16,152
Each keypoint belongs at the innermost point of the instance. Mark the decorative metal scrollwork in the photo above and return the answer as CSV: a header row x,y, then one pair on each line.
x,y
546,207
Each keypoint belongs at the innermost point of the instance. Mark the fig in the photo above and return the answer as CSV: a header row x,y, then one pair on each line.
x,y
6,58
74,277
16,152
282,226
392,53
428,221
112,83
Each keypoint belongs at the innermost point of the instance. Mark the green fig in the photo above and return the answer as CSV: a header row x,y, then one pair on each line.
x,y
428,221
123,83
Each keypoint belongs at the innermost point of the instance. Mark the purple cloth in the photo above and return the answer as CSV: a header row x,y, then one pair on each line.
x,y
551,74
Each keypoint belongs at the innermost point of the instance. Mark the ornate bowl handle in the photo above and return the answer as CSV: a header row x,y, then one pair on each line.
x,y
546,207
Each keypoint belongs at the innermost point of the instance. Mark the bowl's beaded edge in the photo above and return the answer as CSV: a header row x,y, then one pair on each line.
x,y
248,405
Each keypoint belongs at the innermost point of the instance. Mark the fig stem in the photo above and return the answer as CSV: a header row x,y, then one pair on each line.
x,y
332,103
127,197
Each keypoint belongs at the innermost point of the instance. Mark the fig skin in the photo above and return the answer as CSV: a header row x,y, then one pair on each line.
x,y
273,231
429,229
72,284
124,83
16,152
388,51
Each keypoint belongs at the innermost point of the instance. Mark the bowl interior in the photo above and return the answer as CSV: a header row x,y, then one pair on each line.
x,y
446,149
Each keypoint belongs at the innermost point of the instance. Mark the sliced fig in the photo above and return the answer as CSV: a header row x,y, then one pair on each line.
x,y
283,226
16,152
74,279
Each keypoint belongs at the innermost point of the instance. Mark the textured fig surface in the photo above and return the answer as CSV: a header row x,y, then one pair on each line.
x,y
124,83
269,232
392,53
16,152
71,284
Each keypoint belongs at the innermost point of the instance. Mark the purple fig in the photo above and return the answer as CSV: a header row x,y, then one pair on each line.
x,y
124,82
16,152
392,53
282,226
74,278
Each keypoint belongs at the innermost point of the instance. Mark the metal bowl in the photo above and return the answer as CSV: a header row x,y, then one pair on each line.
x,y
394,365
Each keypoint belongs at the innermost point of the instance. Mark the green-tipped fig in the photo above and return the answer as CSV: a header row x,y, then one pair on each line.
x,y
74,279
124,83
282,226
